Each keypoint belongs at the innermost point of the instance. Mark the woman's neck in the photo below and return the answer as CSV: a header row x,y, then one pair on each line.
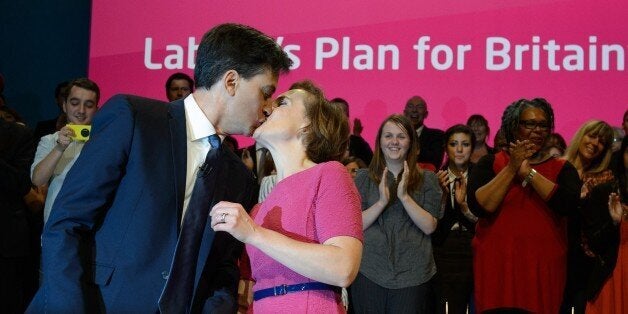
x,y
289,158
581,165
395,167
457,171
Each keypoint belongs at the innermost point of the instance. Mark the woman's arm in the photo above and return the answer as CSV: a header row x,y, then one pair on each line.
x,y
421,217
336,261
491,195
370,215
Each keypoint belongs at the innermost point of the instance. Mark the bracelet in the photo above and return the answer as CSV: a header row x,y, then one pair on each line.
x,y
529,177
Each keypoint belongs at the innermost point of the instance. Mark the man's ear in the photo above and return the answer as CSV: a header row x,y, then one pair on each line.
x,y
230,80
426,114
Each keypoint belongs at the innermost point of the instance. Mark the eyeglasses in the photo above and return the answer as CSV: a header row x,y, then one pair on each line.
x,y
531,124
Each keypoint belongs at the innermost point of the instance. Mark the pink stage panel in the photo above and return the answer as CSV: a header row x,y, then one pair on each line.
x,y
463,57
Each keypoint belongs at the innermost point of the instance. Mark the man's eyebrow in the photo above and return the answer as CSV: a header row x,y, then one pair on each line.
x,y
269,89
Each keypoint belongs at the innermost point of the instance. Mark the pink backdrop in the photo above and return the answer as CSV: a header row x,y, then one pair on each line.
x,y
378,54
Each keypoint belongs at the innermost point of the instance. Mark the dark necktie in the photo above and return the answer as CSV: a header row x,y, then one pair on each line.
x,y
177,294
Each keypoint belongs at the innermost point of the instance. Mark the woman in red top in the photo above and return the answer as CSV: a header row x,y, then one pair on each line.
x,y
521,195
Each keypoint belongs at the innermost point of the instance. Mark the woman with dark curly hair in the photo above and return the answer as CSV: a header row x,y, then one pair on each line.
x,y
521,197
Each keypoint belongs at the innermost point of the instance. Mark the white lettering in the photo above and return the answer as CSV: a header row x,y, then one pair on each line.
x,y
148,51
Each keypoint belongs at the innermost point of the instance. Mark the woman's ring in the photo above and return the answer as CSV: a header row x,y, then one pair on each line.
x,y
222,218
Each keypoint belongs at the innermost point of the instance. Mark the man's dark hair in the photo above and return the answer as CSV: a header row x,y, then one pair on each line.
x,y
240,48
86,84
180,76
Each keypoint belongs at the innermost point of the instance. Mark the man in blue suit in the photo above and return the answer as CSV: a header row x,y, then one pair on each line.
x,y
109,243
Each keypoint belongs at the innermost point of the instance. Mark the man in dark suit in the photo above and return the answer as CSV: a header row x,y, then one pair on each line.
x,y
431,141
16,155
121,215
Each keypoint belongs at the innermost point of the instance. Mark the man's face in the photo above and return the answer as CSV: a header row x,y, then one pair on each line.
x,y
416,111
179,88
80,106
245,111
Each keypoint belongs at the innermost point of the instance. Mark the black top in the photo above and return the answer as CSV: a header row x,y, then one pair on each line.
x,y
602,237
451,216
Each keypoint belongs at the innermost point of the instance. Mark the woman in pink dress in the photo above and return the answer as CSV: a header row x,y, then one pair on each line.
x,y
305,240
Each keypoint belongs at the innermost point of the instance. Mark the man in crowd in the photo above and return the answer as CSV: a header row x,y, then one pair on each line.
x,y
178,86
431,141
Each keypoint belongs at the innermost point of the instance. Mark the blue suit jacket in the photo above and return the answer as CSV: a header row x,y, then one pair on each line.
x,y
110,239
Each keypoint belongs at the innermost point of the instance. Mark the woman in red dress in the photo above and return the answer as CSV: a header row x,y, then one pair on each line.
x,y
521,197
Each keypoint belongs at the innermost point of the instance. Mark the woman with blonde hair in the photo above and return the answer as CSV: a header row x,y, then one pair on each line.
x,y
590,153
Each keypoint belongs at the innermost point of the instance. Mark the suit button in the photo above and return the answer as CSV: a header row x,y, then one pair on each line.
x,y
165,274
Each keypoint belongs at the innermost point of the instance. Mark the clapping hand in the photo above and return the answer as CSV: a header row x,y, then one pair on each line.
x,y
460,190
443,180
402,188
384,193
616,208
520,151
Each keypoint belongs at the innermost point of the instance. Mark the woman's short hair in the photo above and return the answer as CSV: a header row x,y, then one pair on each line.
x,y
479,119
512,114
327,136
604,132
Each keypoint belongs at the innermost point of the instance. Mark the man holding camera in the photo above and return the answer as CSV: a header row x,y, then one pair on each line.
x,y
57,152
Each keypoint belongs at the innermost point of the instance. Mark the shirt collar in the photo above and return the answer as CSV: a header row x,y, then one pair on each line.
x,y
198,125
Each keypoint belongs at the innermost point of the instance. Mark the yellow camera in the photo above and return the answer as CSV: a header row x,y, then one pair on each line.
x,y
81,132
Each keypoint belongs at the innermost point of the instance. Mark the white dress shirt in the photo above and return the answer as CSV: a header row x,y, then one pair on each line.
x,y
197,128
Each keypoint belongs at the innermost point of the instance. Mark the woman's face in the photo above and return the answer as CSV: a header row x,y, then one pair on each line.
x,y
287,119
590,147
352,167
394,142
479,129
459,149
533,126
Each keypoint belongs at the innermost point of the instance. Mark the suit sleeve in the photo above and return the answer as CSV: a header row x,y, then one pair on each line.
x,y
82,203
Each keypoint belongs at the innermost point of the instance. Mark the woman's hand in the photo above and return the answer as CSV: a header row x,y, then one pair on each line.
x,y
402,188
520,151
232,218
615,208
384,193
460,190
443,180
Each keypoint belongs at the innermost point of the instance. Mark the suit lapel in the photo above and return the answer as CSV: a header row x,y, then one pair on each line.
x,y
178,140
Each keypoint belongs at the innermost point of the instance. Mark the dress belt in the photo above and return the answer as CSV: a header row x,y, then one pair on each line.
x,y
285,289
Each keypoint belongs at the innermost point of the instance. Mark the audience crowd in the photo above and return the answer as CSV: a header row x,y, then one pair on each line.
x,y
449,223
